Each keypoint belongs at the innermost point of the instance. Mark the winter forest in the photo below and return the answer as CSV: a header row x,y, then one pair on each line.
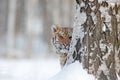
x,y
32,46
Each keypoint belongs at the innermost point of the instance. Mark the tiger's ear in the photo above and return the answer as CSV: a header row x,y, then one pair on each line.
x,y
54,28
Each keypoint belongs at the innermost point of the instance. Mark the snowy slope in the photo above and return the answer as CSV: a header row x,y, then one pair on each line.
x,y
41,69
73,72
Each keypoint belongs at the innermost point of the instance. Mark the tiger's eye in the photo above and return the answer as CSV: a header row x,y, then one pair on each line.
x,y
60,36
70,37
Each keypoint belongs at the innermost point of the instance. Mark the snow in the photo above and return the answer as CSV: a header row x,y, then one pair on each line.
x,y
117,59
91,0
80,18
28,69
64,51
100,1
103,68
73,71
41,69
105,14
82,4
94,16
118,76
112,2
77,33
104,28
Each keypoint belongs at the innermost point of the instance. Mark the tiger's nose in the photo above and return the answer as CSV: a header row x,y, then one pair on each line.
x,y
67,43
66,46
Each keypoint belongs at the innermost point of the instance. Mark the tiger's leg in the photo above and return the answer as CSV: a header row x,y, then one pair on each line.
x,y
63,59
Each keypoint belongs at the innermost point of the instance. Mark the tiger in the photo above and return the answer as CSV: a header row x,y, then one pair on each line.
x,y
61,39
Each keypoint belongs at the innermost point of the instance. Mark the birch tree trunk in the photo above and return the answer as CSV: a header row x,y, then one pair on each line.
x,y
96,38
33,24
11,27
3,26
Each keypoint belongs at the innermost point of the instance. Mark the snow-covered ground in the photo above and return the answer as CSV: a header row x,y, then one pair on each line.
x,y
41,69
33,69
73,72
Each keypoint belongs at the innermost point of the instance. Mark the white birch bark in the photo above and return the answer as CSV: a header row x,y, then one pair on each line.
x,y
11,27
96,39
33,24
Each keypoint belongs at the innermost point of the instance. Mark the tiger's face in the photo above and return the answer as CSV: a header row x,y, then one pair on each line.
x,y
61,38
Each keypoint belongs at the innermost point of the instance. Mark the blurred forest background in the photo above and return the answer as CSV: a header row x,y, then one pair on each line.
x,y
25,26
